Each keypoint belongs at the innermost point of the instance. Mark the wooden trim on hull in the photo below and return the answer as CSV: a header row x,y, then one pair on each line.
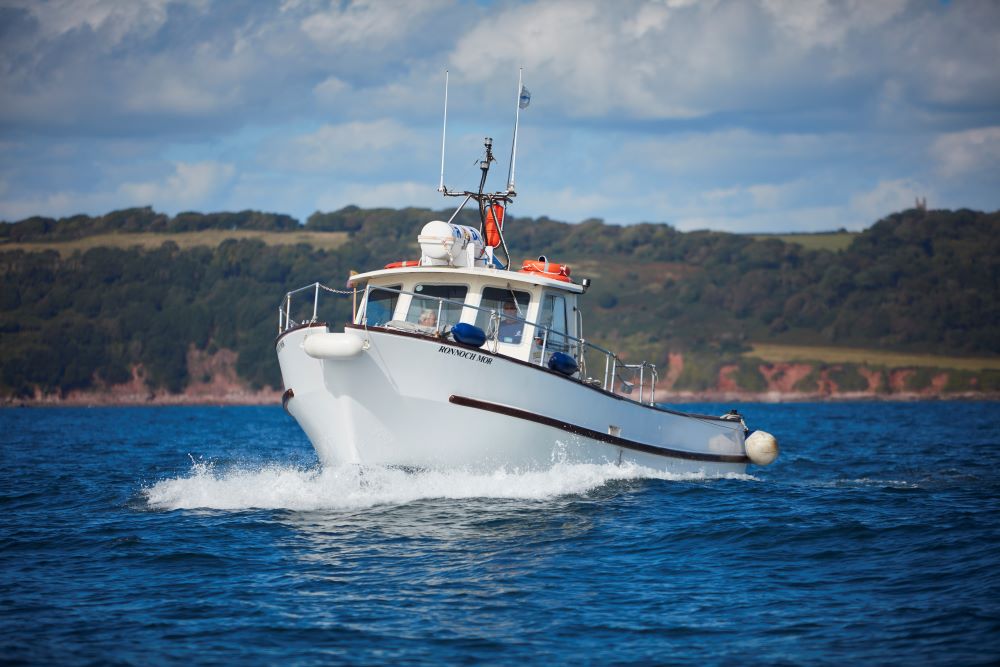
x,y
618,441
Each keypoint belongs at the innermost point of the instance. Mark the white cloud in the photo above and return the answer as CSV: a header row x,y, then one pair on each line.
x,y
731,153
394,194
573,204
112,18
828,23
47,204
331,90
366,23
584,55
734,112
190,185
174,92
768,196
885,198
642,60
803,219
359,146
754,197
962,153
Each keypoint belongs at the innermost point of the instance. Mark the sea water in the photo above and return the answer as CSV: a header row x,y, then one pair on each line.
x,y
212,536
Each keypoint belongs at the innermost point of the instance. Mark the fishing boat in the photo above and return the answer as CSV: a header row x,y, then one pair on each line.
x,y
466,359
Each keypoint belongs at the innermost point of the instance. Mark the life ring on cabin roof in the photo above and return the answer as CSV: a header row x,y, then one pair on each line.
x,y
546,268
403,264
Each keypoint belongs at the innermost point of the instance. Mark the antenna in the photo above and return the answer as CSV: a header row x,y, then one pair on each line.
x,y
444,131
519,103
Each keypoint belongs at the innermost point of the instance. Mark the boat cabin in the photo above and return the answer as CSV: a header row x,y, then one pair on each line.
x,y
523,315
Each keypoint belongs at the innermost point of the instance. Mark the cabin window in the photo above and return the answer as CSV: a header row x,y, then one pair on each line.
x,y
381,305
554,317
428,311
512,307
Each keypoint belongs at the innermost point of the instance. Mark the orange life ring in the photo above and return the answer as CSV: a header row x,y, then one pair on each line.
x,y
494,223
547,269
403,264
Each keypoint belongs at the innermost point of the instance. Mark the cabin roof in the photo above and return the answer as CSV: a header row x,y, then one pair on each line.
x,y
461,274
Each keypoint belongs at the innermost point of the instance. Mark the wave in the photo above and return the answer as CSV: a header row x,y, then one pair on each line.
x,y
289,487
872,482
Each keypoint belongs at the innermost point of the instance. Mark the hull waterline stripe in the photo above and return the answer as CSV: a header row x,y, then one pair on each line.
x,y
594,435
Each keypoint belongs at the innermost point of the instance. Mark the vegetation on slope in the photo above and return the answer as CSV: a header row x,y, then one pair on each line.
x,y
915,282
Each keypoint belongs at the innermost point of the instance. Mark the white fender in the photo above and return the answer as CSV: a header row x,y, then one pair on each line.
x,y
333,346
761,447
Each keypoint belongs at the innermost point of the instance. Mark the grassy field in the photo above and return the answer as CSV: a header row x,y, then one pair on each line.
x,y
847,355
832,241
208,237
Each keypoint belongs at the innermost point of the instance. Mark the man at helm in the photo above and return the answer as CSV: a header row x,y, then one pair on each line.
x,y
510,326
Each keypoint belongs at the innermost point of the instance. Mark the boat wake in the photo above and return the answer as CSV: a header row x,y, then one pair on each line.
x,y
289,487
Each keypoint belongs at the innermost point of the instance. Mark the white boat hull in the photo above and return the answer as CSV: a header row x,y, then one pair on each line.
x,y
410,400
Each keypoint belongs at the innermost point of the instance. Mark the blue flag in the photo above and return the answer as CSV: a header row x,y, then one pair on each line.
x,y
524,99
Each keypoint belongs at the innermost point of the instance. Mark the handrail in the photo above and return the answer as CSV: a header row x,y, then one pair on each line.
x,y
615,367
285,322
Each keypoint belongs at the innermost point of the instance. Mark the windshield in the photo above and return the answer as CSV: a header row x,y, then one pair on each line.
x,y
428,311
380,306
512,306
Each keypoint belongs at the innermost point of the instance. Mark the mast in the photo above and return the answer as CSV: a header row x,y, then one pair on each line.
x,y
521,92
487,200
444,131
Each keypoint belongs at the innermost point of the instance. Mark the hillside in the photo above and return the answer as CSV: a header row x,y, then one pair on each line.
x,y
142,304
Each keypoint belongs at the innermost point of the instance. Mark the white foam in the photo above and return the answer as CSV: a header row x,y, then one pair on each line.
x,y
886,483
352,487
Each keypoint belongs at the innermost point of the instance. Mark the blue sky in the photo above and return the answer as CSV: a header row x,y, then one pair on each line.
x,y
743,115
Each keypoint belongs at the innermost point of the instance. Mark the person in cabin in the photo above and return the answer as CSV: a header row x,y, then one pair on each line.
x,y
428,318
510,326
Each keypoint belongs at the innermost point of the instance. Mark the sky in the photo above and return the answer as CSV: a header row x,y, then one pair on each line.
x,y
733,115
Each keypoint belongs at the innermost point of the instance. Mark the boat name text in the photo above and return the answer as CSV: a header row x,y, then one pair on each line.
x,y
466,354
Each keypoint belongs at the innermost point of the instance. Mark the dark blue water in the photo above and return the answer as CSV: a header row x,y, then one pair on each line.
x,y
210,536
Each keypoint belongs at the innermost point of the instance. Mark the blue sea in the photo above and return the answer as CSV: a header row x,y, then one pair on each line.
x,y
178,536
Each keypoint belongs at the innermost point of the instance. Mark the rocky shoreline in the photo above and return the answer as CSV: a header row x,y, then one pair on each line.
x,y
219,384
273,397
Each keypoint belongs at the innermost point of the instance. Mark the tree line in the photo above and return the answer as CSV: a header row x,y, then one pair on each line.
x,y
917,281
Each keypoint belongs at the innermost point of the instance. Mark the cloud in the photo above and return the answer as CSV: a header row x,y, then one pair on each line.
x,y
828,23
806,219
331,90
728,151
365,23
186,186
74,61
734,112
887,197
49,204
575,203
962,153
399,193
357,146
112,19
666,61
190,185
584,55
